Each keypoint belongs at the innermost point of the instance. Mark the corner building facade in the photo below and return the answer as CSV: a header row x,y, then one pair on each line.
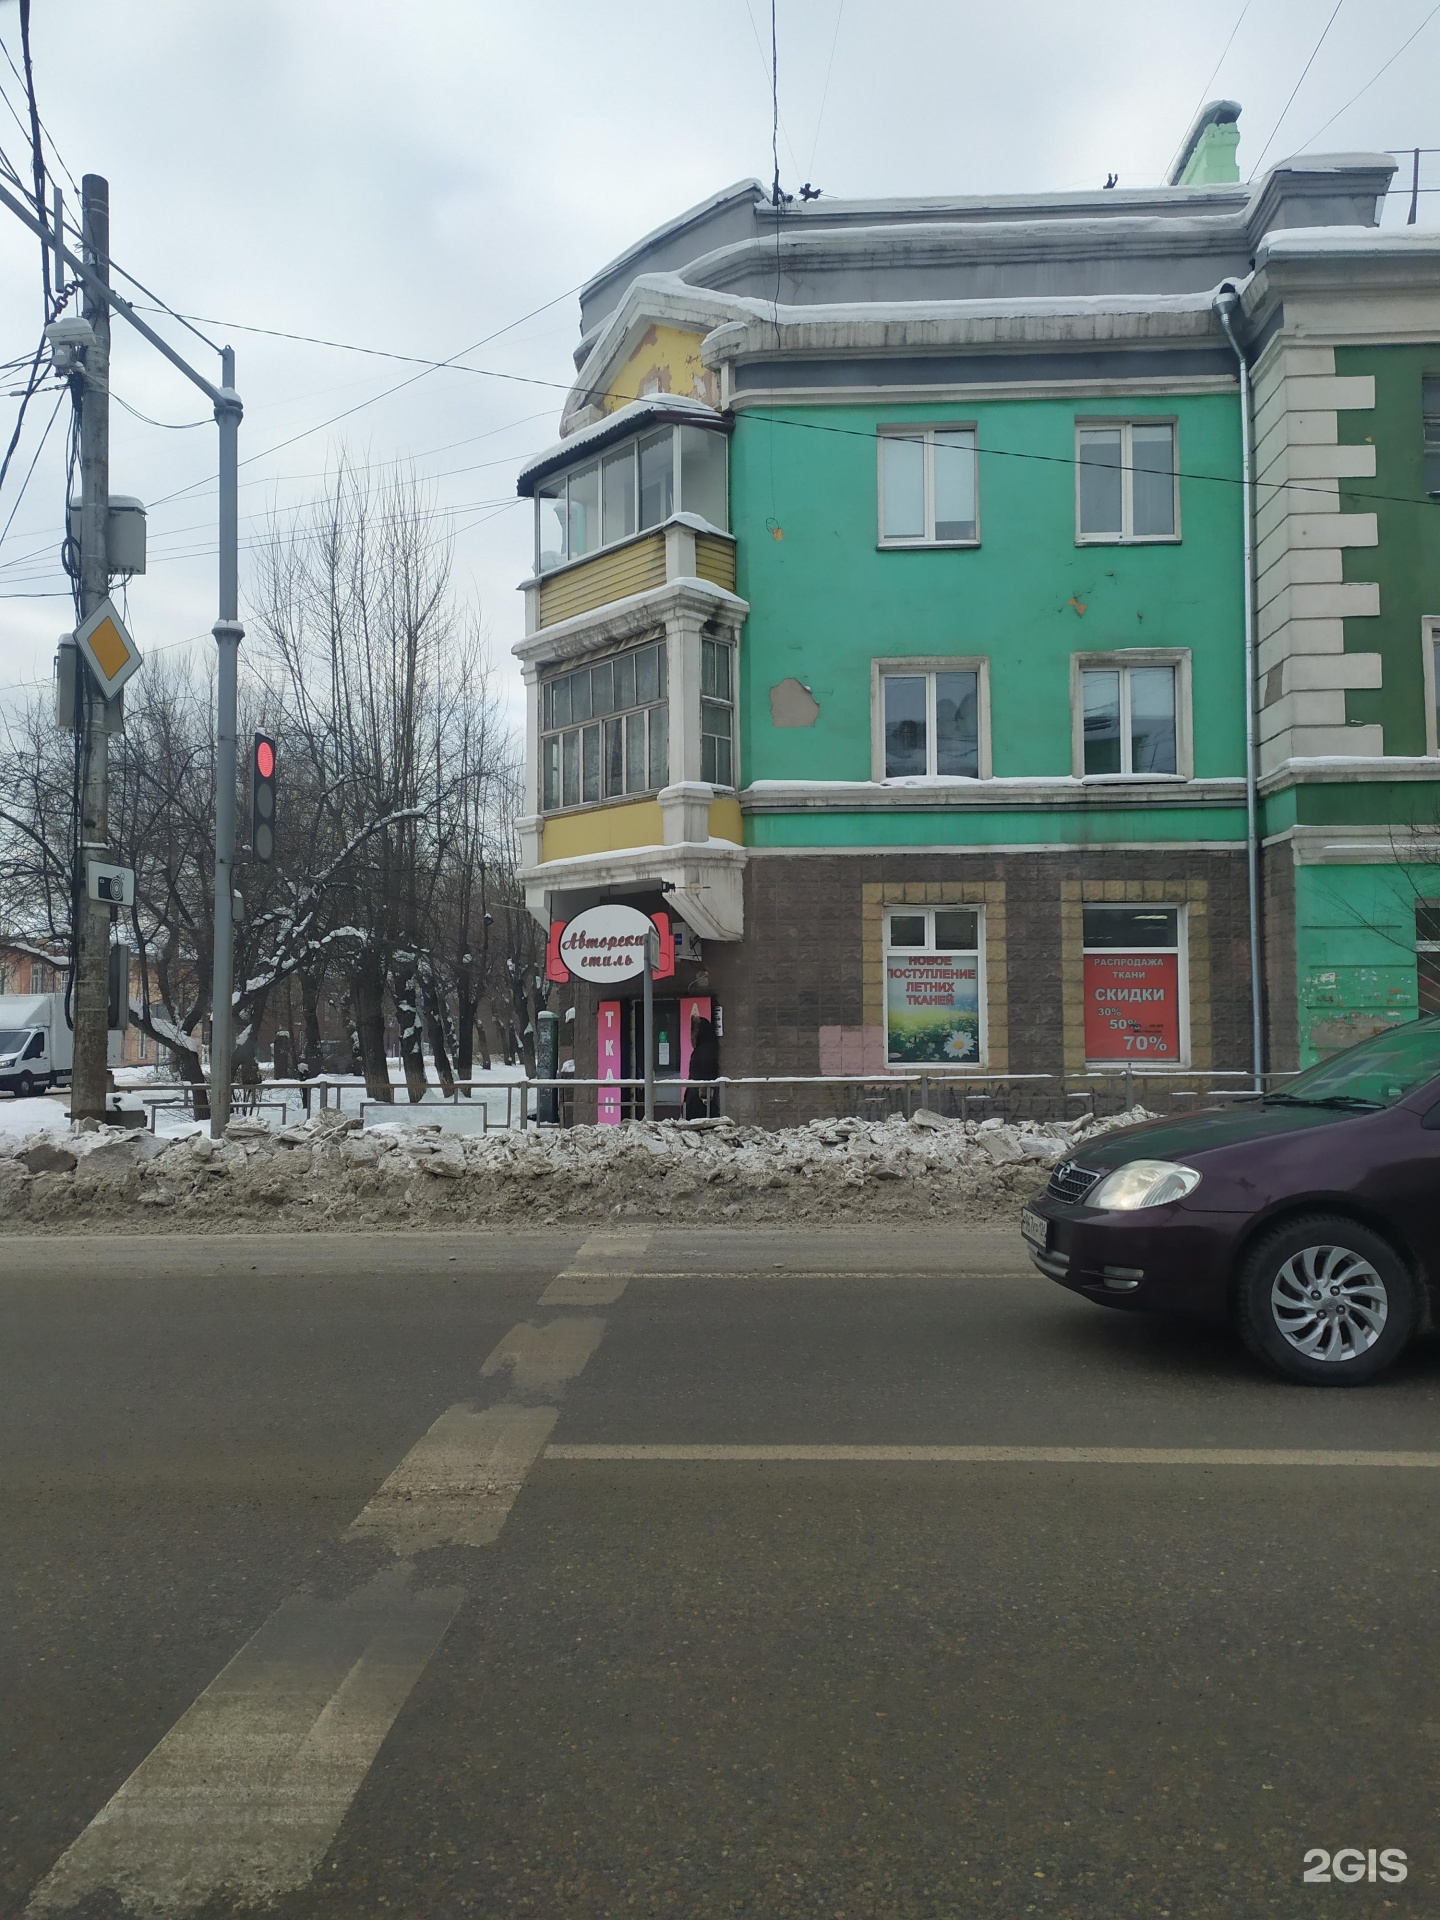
x,y
887,631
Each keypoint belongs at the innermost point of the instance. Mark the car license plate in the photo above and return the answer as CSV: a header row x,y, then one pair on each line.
x,y
1035,1229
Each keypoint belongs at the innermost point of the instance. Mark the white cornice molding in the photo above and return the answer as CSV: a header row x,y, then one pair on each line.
x,y
704,879
1349,770
1360,846
999,795
738,326
639,613
953,394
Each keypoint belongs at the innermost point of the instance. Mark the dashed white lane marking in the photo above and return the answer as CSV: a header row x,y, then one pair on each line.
x,y
984,1456
247,1790
598,1274
457,1484
542,1359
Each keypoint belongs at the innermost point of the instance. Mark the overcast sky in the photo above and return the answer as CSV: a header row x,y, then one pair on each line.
x,y
417,178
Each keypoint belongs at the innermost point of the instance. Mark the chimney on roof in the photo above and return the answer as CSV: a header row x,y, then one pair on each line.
x,y
1207,153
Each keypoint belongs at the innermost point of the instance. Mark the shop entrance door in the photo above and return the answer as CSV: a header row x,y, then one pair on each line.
x,y
666,1057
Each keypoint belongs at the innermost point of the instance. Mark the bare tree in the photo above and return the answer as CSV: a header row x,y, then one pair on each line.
x,y
381,686
394,878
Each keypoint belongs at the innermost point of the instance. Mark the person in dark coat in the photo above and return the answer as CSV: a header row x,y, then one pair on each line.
x,y
700,1093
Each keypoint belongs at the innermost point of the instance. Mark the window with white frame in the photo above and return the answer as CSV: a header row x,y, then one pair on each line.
x,y
931,722
928,487
717,712
1126,481
628,489
605,729
934,987
1129,719
1430,640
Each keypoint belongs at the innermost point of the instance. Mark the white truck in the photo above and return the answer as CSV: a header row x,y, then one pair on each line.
x,y
36,1044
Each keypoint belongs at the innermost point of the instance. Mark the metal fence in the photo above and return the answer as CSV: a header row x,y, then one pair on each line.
x,y
769,1100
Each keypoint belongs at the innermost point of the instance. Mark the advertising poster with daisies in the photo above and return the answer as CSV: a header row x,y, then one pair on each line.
x,y
932,1009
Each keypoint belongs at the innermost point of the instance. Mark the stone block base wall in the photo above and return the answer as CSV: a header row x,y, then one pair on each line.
x,y
803,993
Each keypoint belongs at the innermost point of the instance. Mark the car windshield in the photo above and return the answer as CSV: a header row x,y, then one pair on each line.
x,y
1376,1073
12,1040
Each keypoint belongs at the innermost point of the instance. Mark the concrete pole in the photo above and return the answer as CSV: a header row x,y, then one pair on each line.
x,y
90,999
652,960
228,635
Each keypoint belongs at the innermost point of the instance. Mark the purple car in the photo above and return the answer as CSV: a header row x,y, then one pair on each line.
x,y
1309,1219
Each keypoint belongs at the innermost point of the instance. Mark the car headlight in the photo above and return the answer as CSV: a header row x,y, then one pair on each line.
x,y
1143,1183
7,1060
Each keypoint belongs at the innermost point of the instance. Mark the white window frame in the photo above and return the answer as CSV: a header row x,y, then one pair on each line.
x,y
708,700
926,431
1127,423
553,670
929,664
1176,657
928,913
1430,644
598,459
1181,950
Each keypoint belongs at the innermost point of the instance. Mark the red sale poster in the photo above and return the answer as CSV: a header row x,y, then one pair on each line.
x,y
1132,1006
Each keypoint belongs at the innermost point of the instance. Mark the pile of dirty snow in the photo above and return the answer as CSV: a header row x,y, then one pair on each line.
x,y
329,1173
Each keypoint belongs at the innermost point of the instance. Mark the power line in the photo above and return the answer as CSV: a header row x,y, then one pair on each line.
x,y
825,90
1297,86
59,157
1373,78
349,346
1007,453
22,686
59,399
28,396
170,426
426,367
324,473
760,49
1205,90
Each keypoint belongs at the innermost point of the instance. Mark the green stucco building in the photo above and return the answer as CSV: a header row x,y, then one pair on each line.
x,y
888,630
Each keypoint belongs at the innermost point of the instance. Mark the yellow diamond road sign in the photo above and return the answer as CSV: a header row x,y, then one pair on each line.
x,y
112,655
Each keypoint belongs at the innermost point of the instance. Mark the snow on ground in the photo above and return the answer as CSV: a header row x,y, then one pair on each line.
x,y
329,1171
42,1113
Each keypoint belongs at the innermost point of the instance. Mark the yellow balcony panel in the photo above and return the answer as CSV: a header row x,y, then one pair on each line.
x,y
715,560
725,821
634,823
635,567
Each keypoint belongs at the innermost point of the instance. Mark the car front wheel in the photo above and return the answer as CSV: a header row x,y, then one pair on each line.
x,y
1325,1301
24,1087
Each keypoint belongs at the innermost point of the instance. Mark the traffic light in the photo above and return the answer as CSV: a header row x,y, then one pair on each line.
x,y
262,798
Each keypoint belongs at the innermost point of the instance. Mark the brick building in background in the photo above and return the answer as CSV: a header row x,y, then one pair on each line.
x,y
887,626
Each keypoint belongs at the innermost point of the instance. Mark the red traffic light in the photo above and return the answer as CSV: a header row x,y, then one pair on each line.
x,y
262,798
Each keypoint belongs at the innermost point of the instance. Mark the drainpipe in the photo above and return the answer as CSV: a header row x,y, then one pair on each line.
x,y
1227,302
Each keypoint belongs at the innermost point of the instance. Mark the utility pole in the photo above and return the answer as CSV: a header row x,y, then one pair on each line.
x,y
652,960
228,634
90,1001
93,269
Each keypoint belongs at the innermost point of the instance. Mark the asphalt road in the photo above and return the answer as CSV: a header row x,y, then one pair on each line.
x,y
538,1660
